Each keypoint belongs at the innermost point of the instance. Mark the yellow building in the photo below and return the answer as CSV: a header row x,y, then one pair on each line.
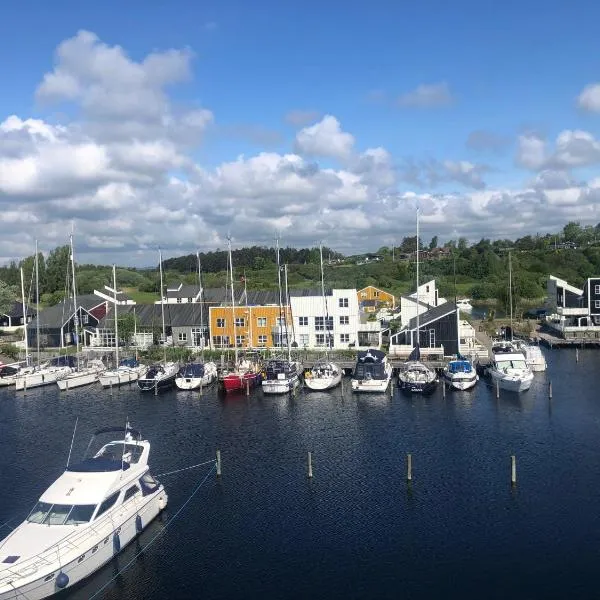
x,y
254,326
371,299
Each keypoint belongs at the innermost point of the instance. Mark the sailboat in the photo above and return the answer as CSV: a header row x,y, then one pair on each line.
x,y
509,369
195,375
160,376
245,373
415,376
324,374
9,373
50,371
282,374
89,373
127,369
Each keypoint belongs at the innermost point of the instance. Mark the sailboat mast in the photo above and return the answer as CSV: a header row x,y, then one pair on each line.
x,y
249,311
418,306
74,294
162,306
116,316
232,303
279,288
37,302
201,291
327,334
24,318
287,334
510,293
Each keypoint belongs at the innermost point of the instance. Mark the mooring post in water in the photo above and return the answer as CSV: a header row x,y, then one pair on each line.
x,y
443,389
513,470
409,467
111,392
342,382
218,463
576,354
550,390
201,387
247,387
156,388
497,388
310,473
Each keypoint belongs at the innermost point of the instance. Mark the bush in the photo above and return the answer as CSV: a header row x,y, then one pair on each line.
x,y
10,350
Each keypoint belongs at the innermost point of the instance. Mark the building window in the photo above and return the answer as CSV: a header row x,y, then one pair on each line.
x,y
320,340
221,341
239,321
324,339
345,338
86,318
261,322
303,321
431,338
190,299
597,289
178,300
239,340
320,323
182,336
375,294
262,340
345,320
363,294
197,337
303,339
343,302
220,323
597,303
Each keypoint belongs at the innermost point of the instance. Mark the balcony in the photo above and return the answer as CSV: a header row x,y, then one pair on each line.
x,y
580,311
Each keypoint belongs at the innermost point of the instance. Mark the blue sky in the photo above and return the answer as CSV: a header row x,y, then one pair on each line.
x,y
507,68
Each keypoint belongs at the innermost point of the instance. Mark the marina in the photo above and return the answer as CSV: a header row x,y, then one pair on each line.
x,y
356,528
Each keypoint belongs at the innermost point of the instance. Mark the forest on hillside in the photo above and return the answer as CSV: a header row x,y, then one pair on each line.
x,y
479,271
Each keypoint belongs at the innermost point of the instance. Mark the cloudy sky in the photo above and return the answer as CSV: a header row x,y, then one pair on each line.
x,y
175,124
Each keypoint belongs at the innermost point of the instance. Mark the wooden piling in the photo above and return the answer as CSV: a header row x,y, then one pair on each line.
x,y
444,390
218,463
156,388
409,467
513,470
550,390
111,390
497,388
576,355
310,471
247,387
201,392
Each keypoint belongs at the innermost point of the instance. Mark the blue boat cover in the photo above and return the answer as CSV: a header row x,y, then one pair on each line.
x,y
192,370
129,362
460,366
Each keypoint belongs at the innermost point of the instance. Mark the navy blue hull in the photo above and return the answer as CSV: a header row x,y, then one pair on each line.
x,y
417,387
150,385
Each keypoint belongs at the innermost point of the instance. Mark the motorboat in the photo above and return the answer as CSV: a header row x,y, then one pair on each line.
x,y
193,376
158,377
372,372
414,377
84,376
324,375
9,373
129,370
534,356
460,374
281,376
86,517
47,373
464,304
509,369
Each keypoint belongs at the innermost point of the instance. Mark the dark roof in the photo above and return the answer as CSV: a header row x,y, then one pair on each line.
x,y
433,314
59,314
302,293
149,315
16,310
186,291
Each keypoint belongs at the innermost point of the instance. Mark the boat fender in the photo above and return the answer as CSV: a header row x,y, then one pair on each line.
x,y
62,580
161,503
138,524
116,542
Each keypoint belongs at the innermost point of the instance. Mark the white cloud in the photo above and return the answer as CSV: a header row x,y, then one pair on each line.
x,y
325,139
125,169
427,95
589,98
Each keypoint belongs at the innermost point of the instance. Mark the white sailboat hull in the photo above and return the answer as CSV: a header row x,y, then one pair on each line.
x,y
120,376
193,383
78,379
323,383
373,386
81,553
42,377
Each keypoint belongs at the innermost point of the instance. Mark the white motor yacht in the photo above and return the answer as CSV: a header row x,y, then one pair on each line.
x,y
464,304
372,372
92,511
193,376
158,377
460,374
281,376
9,373
509,370
324,375
534,357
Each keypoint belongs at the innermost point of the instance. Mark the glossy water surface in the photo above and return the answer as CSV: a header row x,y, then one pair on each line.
x,y
356,530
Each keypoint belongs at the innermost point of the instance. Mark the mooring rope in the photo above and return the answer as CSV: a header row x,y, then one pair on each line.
x,y
179,510
186,468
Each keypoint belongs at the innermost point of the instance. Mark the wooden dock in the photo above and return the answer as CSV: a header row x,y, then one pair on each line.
x,y
553,341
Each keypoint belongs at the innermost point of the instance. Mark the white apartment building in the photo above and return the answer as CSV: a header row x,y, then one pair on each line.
x,y
311,327
428,298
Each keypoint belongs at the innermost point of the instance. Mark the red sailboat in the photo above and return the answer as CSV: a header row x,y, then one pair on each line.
x,y
245,372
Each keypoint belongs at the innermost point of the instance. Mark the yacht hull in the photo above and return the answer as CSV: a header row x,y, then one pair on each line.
x,y
75,380
461,383
417,387
371,386
153,385
511,383
239,382
80,558
193,383
116,378
280,386
323,383
39,378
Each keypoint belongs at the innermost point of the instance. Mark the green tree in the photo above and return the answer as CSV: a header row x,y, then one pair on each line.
x,y
56,269
572,232
8,295
434,242
127,326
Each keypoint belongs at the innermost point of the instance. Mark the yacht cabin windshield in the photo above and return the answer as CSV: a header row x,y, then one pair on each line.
x,y
61,514
511,364
369,371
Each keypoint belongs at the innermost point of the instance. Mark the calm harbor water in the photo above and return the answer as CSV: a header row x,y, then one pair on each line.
x,y
356,530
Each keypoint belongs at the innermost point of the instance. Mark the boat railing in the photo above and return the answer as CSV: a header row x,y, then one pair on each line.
x,y
64,547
